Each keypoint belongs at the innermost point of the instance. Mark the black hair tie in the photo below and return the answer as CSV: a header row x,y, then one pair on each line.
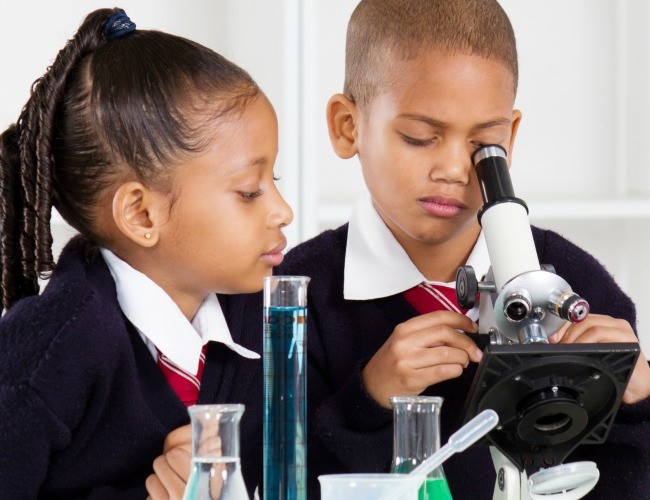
x,y
118,25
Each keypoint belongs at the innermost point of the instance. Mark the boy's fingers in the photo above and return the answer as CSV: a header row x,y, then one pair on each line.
x,y
599,328
556,338
439,373
441,355
441,327
443,335
448,318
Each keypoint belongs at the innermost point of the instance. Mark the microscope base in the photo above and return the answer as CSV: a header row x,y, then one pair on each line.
x,y
550,398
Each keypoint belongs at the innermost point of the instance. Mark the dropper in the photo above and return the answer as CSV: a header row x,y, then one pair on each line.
x,y
467,435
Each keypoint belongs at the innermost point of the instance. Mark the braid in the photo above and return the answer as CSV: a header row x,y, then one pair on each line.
x,y
27,163
12,282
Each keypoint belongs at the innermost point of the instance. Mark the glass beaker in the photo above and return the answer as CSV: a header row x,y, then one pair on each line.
x,y
416,436
285,386
216,471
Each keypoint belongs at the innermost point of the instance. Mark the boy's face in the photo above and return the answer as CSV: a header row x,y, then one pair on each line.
x,y
415,142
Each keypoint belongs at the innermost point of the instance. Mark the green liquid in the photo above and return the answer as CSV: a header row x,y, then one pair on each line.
x,y
435,489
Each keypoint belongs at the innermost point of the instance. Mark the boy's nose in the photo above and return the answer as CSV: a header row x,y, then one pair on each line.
x,y
453,164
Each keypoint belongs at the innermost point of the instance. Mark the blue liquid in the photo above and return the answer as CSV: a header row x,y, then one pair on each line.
x,y
285,403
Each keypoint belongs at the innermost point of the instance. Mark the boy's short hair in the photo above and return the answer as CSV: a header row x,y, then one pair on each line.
x,y
383,32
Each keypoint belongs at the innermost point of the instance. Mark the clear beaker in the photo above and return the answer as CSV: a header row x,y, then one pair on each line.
x,y
216,471
285,386
416,436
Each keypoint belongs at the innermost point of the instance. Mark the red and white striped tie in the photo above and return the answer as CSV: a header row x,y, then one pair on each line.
x,y
427,297
185,385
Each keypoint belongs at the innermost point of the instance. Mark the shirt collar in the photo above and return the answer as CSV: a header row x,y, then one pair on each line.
x,y
377,266
148,307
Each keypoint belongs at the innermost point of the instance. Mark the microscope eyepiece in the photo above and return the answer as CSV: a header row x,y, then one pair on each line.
x,y
488,151
491,163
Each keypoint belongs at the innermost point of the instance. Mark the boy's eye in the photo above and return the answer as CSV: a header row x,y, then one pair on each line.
x,y
416,142
248,196
478,144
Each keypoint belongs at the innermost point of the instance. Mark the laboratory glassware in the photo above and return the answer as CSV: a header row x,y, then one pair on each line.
x,y
285,386
416,436
216,469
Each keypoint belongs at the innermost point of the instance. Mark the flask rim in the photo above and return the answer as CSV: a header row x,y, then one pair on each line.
x,y
416,399
217,408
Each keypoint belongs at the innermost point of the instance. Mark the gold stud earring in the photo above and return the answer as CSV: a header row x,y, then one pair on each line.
x,y
147,236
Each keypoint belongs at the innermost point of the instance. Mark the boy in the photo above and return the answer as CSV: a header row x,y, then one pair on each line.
x,y
427,82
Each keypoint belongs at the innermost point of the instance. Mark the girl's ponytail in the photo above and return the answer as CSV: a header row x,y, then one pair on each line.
x,y
110,108
27,169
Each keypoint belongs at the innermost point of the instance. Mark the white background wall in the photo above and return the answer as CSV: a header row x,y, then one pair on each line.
x,y
582,150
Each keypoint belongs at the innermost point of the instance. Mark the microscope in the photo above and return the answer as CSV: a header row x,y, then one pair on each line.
x,y
550,398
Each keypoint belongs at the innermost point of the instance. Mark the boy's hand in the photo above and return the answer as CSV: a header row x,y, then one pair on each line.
x,y
600,329
172,468
422,351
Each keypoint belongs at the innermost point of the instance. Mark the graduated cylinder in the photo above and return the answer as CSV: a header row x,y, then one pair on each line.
x,y
285,387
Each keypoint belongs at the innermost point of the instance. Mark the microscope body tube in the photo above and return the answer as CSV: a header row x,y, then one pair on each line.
x,y
509,241
504,218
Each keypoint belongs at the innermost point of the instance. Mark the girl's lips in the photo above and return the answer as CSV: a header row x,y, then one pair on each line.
x,y
275,257
440,206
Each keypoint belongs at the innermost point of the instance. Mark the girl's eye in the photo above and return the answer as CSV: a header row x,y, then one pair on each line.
x,y
248,196
417,142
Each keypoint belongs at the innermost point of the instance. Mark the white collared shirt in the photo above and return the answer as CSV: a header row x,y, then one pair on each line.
x,y
161,323
377,266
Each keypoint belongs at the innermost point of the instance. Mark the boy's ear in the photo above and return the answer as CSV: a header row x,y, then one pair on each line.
x,y
516,120
134,213
342,125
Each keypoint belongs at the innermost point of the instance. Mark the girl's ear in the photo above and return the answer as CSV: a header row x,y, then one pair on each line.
x,y
135,213
342,123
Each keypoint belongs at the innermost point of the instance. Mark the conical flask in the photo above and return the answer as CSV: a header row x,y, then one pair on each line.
x,y
216,470
416,436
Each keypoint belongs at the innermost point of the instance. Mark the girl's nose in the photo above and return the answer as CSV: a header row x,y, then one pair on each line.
x,y
281,213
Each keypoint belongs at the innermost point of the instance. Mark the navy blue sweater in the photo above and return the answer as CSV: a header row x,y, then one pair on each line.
x,y
84,409
349,432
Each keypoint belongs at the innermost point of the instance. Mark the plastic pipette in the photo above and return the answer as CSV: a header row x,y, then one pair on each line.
x,y
468,434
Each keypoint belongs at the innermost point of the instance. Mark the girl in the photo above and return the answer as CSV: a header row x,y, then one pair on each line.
x,y
160,153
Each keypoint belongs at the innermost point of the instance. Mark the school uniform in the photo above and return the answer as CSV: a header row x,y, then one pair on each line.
x,y
84,406
355,300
